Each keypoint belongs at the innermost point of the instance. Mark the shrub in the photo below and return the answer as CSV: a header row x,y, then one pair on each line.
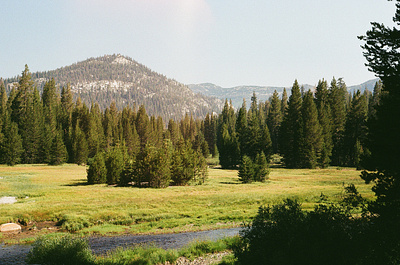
x,y
73,223
65,250
284,234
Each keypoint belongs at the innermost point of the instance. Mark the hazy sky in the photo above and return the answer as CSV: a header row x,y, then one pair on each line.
x,y
226,42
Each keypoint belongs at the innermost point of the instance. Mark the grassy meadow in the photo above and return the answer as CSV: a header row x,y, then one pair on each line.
x,y
60,194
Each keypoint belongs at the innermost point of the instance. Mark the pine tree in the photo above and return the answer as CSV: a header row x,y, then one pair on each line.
x,y
241,128
337,95
142,126
227,140
284,102
97,171
32,130
200,145
324,118
27,113
128,173
183,164
246,170
110,125
291,129
59,154
12,147
210,128
114,165
261,168
266,143
66,107
375,100
50,117
254,105
20,101
79,145
355,129
257,139
311,143
131,140
3,114
274,121
160,176
173,132
382,53
95,137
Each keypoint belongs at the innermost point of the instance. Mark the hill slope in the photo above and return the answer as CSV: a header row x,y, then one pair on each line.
x,y
119,78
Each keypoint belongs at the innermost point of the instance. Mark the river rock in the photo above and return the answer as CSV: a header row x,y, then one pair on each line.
x,y
10,227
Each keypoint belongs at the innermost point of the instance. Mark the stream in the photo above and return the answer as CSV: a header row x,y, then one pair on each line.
x,y
16,254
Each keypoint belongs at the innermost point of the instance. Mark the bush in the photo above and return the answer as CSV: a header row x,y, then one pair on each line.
x,y
65,250
284,234
73,223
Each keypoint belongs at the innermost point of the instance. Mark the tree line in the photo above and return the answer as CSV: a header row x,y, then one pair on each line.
x,y
309,129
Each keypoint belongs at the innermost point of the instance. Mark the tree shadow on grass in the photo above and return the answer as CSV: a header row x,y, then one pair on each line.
x,y
77,182
230,183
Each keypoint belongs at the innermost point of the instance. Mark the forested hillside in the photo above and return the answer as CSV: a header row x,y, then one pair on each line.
x,y
120,79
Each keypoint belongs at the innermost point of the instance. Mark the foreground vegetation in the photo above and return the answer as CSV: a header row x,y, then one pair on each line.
x,y
72,250
60,194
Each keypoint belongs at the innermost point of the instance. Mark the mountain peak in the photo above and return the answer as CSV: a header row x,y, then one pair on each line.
x,y
120,79
122,60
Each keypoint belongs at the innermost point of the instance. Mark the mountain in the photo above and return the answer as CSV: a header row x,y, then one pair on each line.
x,y
237,94
121,79
263,93
370,84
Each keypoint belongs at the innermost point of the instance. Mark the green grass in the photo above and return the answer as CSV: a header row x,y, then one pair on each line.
x,y
59,193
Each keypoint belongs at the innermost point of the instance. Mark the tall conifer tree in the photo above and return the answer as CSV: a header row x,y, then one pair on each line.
x,y
324,118
337,98
381,50
274,121
291,129
355,129
227,140
241,128
312,141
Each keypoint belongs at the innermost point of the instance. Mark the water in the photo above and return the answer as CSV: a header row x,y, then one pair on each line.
x,y
16,254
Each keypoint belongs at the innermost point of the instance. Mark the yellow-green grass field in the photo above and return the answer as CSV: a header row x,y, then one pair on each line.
x,y
60,194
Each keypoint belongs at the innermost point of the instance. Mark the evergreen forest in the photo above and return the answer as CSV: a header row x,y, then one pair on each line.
x,y
308,130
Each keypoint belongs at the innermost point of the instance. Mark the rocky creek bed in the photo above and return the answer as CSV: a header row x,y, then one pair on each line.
x,y
16,254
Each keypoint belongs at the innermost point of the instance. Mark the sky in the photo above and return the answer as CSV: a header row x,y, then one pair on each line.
x,y
228,43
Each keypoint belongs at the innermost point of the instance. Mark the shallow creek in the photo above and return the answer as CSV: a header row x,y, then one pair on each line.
x,y
16,254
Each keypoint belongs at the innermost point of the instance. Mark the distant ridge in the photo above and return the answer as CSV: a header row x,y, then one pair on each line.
x,y
123,80
263,93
